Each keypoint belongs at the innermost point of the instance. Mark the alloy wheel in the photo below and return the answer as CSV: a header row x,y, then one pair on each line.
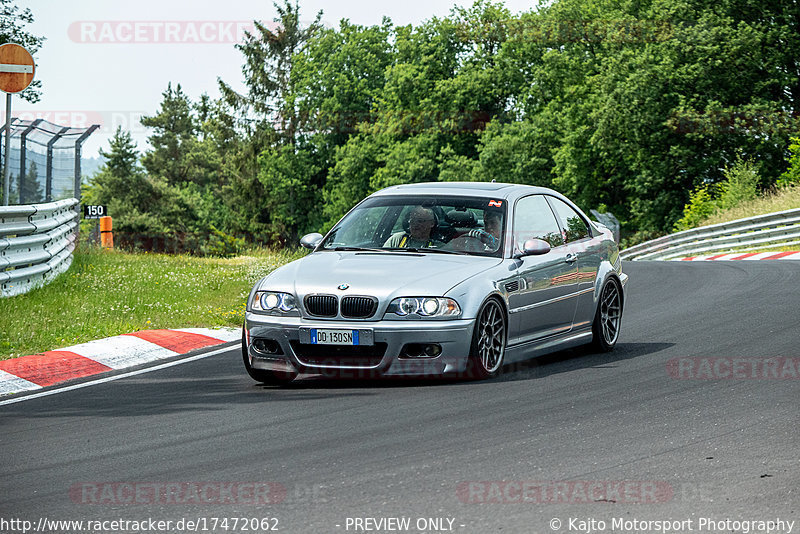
x,y
491,337
610,313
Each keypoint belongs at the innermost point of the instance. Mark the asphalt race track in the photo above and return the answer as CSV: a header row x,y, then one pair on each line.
x,y
630,435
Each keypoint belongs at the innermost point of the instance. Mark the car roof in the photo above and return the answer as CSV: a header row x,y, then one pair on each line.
x,y
495,189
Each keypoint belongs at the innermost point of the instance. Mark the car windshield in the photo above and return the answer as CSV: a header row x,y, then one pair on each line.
x,y
441,224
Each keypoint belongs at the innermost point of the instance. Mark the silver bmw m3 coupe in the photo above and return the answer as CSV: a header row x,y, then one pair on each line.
x,y
438,279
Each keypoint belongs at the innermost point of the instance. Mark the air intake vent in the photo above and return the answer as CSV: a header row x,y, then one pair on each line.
x,y
359,307
321,305
512,286
341,356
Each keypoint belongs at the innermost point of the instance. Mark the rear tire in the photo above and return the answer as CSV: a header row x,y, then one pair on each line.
x,y
488,348
270,378
608,317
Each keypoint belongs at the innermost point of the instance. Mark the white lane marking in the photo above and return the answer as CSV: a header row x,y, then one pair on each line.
x,y
119,352
758,256
12,384
116,377
223,334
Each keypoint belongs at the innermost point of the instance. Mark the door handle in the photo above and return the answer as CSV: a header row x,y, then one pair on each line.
x,y
571,258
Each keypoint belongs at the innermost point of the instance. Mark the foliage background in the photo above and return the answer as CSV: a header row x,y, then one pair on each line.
x,y
639,107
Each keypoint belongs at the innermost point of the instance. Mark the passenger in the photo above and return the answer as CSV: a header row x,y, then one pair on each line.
x,y
420,224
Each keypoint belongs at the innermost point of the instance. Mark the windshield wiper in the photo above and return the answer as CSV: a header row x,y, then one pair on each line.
x,y
425,249
402,249
443,251
357,249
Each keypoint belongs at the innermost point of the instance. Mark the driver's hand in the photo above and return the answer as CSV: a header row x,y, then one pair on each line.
x,y
488,239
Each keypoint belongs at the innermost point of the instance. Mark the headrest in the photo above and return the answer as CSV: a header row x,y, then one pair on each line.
x,y
464,219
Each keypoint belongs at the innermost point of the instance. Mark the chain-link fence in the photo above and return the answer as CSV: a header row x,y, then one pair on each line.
x,y
44,161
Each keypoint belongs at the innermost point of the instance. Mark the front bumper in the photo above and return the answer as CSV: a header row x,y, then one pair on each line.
x,y
383,358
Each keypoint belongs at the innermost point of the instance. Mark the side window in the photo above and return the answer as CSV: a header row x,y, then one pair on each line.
x,y
533,219
572,223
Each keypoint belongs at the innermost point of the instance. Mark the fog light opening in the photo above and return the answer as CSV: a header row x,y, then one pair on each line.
x,y
421,350
267,346
433,350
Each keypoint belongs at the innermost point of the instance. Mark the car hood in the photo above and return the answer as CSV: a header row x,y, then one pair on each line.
x,y
383,275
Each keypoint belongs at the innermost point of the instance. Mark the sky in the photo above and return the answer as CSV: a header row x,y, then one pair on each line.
x,y
107,62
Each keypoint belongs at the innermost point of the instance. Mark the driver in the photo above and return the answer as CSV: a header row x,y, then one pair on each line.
x,y
420,224
492,229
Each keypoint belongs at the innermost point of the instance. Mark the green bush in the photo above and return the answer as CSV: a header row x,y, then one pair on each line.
x,y
792,174
222,245
740,185
701,205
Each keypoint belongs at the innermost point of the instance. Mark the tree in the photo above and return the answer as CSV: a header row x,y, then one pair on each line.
x,y
338,78
174,137
635,105
264,119
32,191
189,144
268,108
122,158
12,30
289,195
792,174
13,194
628,105
123,186
442,85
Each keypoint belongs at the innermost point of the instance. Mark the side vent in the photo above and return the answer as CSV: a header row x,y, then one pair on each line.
x,y
512,286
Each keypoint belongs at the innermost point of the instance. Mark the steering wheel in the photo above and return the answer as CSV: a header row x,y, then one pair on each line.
x,y
466,243
486,238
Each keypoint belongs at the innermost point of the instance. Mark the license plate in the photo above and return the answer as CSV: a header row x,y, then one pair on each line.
x,y
334,337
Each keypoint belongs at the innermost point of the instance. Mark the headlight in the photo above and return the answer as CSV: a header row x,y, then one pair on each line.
x,y
424,307
429,307
406,306
287,303
267,301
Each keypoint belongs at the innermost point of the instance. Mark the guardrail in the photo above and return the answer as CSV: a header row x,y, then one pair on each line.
x,y
36,244
744,235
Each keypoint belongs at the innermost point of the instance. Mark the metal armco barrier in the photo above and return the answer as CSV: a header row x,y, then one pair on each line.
x,y
36,244
744,235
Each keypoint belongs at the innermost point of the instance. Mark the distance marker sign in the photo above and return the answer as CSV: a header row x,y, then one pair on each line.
x,y
94,212
16,68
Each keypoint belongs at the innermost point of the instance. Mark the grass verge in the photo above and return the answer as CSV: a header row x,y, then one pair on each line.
x,y
107,293
783,199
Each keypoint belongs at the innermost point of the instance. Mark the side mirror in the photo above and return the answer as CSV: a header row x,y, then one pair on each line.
x,y
310,241
534,247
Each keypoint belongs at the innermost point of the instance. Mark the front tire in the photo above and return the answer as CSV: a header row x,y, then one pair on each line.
x,y
270,378
608,317
488,342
